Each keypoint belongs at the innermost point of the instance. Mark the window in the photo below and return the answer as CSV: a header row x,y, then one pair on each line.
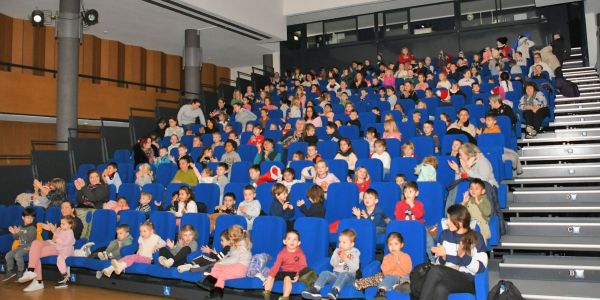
x,y
396,23
432,18
314,35
366,27
340,31
477,12
516,10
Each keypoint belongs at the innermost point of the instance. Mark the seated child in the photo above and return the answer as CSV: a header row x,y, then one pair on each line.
x,y
371,136
400,180
148,243
144,204
227,208
312,153
113,250
323,178
287,266
288,178
408,150
250,207
206,176
221,179
382,154
175,255
257,138
209,258
254,174
217,140
163,157
144,175
491,126
282,207
427,170
346,153
117,206
478,206
234,265
428,131
395,269
362,180
111,175
369,210
25,234
345,261
316,196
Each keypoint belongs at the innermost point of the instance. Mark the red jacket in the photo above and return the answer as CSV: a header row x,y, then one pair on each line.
x,y
405,59
405,212
288,262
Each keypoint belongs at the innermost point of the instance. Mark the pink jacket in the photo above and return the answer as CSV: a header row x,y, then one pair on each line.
x,y
65,242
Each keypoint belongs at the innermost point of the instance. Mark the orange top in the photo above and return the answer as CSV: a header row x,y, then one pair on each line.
x,y
493,129
396,264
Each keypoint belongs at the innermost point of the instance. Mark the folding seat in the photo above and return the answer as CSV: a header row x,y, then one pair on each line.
x,y
247,152
424,116
424,146
373,166
275,135
125,171
239,172
350,132
104,224
365,243
295,147
327,149
341,198
341,117
408,129
377,126
211,165
361,148
223,223
122,156
157,190
71,193
394,147
449,110
420,94
298,192
209,194
245,137
510,140
276,114
486,87
314,237
100,168
403,165
431,194
338,167
439,128
39,214
468,91
432,104
165,173
11,217
82,171
218,152
237,188
476,112
131,192
175,153
483,96
265,196
413,233
133,219
389,194
321,132
458,101
368,117
299,165
265,166
207,139
448,139
396,114
112,192
445,175
275,228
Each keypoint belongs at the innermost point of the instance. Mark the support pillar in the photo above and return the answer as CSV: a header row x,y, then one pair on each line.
x,y
68,37
192,64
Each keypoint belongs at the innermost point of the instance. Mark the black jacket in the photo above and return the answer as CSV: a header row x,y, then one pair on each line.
x,y
560,49
505,110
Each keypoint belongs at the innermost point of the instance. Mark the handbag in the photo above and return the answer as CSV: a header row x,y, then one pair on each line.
x,y
417,279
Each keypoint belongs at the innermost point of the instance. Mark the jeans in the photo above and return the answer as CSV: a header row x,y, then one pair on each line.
x,y
390,280
428,246
535,119
16,256
337,279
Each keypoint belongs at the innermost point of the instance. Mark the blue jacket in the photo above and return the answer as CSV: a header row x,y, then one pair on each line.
x,y
276,209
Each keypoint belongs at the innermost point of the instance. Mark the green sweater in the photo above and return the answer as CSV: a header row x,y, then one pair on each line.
x,y
485,207
188,177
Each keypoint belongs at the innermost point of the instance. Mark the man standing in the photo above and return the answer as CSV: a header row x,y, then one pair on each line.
x,y
560,50
188,113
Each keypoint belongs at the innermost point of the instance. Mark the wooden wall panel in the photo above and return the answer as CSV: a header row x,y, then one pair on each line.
x,y
6,35
17,42
20,136
222,72
27,47
208,75
173,71
50,50
39,45
104,60
86,54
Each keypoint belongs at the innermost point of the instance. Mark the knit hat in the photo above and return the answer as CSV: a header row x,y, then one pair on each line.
x,y
443,94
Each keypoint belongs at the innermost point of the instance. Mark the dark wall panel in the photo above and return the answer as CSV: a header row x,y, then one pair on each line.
x,y
13,181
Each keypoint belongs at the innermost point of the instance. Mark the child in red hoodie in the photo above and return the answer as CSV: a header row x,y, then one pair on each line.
x,y
290,261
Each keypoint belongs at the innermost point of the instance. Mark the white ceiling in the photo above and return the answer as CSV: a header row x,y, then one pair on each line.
x,y
139,23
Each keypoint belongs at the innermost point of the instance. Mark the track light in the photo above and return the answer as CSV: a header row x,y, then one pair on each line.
x,y
37,17
90,17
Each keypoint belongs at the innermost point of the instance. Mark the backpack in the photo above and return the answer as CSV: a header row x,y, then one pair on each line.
x,y
505,290
567,88
417,279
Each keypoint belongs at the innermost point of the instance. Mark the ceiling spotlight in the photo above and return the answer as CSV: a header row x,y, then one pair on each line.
x,y
90,17
37,17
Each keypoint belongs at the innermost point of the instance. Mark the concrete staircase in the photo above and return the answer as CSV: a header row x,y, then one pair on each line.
x,y
552,246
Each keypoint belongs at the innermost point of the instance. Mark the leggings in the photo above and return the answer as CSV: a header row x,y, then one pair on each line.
x,y
226,272
40,249
135,258
178,259
442,281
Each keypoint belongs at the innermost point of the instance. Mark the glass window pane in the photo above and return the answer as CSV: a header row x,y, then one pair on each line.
x,y
366,29
508,4
314,35
432,18
477,12
396,23
340,31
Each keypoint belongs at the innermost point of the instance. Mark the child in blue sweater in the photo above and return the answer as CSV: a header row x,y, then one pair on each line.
x,y
369,210
281,207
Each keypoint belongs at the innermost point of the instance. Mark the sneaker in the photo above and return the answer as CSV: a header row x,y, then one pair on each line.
x,y
311,293
63,283
102,256
266,295
184,268
333,294
118,266
165,262
533,133
106,271
27,276
9,275
98,274
380,295
34,286
528,129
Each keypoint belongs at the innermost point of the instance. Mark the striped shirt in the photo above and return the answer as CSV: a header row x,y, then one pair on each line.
x,y
473,264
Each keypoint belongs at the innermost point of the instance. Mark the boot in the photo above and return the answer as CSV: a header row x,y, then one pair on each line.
x,y
215,294
208,283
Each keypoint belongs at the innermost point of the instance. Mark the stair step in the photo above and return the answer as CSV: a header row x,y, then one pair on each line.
x,y
576,243
585,79
589,87
587,194
564,135
548,207
557,290
579,73
560,170
576,107
558,151
567,69
561,268
552,226
583,94
573,62
570,120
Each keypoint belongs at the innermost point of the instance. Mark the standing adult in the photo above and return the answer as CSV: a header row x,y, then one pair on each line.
x,y
189,112
561,50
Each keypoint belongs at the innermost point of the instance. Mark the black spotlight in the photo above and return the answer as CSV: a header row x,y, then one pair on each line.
x,y
90,17
37,17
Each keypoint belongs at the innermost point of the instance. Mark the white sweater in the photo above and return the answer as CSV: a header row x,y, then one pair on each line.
x,y
148,246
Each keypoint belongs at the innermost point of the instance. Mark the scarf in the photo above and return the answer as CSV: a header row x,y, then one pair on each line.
x,y
346,153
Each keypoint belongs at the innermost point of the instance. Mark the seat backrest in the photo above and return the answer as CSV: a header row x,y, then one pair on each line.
x,y
403,165
341,198
445,175
165,173
157,190
125,171
431,194
295,147
373,166
237,188
365,238
327,149
239,171
394,147
133,219
413,233
449,138
424,146
247,152
131,192
298,192
490,140
209,193
164,224
275,228
104,224
361,148
389,194
349,131
314,235
449,110
408,129
223,223
172,188
299,165
275,135
338,167
265,166
265,196
460,191
201,225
